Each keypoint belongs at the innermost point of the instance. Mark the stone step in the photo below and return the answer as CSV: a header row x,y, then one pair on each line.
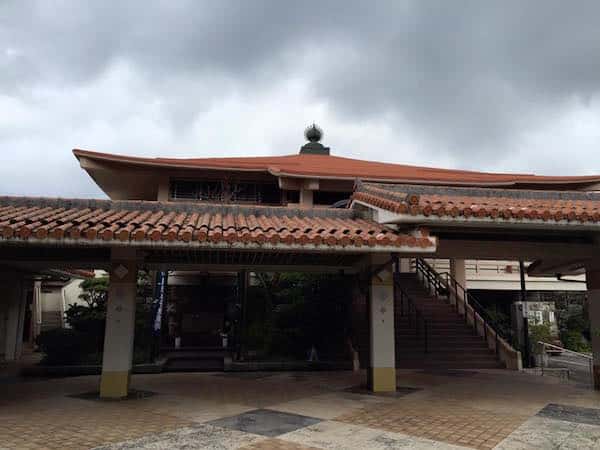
x,y
193,365
452,343
451,353
448,365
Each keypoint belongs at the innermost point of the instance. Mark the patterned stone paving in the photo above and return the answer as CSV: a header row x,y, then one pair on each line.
x,y
446,422
72,426
401,391
575,414
315,410
544,433
265,422
277,444
202,436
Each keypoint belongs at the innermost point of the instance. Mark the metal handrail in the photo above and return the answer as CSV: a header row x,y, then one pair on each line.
x,y
411,308
589,358
565,350
445,285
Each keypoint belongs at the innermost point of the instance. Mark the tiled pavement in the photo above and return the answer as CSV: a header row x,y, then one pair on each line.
x,y
488,409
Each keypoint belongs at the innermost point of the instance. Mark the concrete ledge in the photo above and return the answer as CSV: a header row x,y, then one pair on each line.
x,y
80,370
283,366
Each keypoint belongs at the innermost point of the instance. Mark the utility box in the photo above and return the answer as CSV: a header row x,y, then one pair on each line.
x,y
536,313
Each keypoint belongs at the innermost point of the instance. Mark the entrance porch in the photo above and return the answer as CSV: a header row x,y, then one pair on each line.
x,y
432,410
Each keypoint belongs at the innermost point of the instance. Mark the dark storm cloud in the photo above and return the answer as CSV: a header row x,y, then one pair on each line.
x,y
473,75
468,71
73,41
470,76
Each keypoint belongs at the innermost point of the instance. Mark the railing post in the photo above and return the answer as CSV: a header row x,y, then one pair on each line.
x,y
402,303
496,346
416,321
455,294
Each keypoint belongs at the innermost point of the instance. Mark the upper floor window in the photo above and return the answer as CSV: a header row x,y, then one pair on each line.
x,y
330,198
223,191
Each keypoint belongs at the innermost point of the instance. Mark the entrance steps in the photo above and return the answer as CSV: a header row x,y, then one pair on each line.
x,y
452,344
193,359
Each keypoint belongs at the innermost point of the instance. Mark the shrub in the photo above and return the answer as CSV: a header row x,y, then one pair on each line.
x,y
63,346
573,340
83,342
539,333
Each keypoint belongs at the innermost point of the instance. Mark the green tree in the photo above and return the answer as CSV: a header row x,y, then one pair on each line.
x,y
84,341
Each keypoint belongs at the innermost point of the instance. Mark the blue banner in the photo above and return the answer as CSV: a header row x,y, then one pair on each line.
x,y
159,299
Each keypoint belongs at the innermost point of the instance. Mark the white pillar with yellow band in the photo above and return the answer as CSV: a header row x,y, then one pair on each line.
x,y
593,298
120,325
382,376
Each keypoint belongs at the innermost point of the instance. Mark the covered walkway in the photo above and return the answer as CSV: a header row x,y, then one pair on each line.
x,y
441,410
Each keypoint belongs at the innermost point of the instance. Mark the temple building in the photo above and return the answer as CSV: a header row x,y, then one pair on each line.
x,y
387,245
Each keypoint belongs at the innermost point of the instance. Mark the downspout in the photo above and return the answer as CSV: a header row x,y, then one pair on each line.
x,y
37,309
526,347
63,304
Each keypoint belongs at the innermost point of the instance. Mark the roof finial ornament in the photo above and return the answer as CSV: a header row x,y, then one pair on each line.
x,y
313,133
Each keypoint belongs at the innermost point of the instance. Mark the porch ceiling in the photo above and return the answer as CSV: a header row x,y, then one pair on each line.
x,y
37,258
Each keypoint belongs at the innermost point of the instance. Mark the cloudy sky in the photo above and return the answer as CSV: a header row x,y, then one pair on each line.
x,y
507,87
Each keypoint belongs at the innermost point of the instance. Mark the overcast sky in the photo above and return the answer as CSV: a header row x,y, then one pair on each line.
x,y
507,87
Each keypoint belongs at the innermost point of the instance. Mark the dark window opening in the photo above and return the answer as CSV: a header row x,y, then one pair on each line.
x,y
329,197
226,191
292,196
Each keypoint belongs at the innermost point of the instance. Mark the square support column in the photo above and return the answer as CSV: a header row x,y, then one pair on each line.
x,y
120,325
382,370
404,265
15,296
593,298
306,197
458,271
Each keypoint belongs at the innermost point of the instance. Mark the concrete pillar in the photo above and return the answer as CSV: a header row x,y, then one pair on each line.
x,y
593,298
15,297
306,197
382,368
458,271
163,194
404,265
36,309
120,325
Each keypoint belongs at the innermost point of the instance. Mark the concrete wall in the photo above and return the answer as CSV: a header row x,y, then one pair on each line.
x,y
504,275
55,300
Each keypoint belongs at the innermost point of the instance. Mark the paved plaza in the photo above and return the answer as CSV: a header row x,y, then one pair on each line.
x,y
431,410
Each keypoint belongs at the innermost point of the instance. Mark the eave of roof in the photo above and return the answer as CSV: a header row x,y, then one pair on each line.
x,y
186,225
507,206
335,167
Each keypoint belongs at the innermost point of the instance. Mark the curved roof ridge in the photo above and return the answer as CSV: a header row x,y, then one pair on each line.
x,y
340,167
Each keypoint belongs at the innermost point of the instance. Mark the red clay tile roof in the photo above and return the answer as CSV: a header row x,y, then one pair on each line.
x,y
499,204
135,222
335,167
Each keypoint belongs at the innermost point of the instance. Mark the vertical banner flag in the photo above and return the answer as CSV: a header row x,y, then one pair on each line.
x,y
159,299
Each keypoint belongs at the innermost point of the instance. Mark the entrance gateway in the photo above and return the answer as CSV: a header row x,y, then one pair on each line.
x,y
215,223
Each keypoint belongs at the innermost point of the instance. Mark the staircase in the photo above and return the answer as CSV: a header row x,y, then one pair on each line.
x,y
193,359
439,338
